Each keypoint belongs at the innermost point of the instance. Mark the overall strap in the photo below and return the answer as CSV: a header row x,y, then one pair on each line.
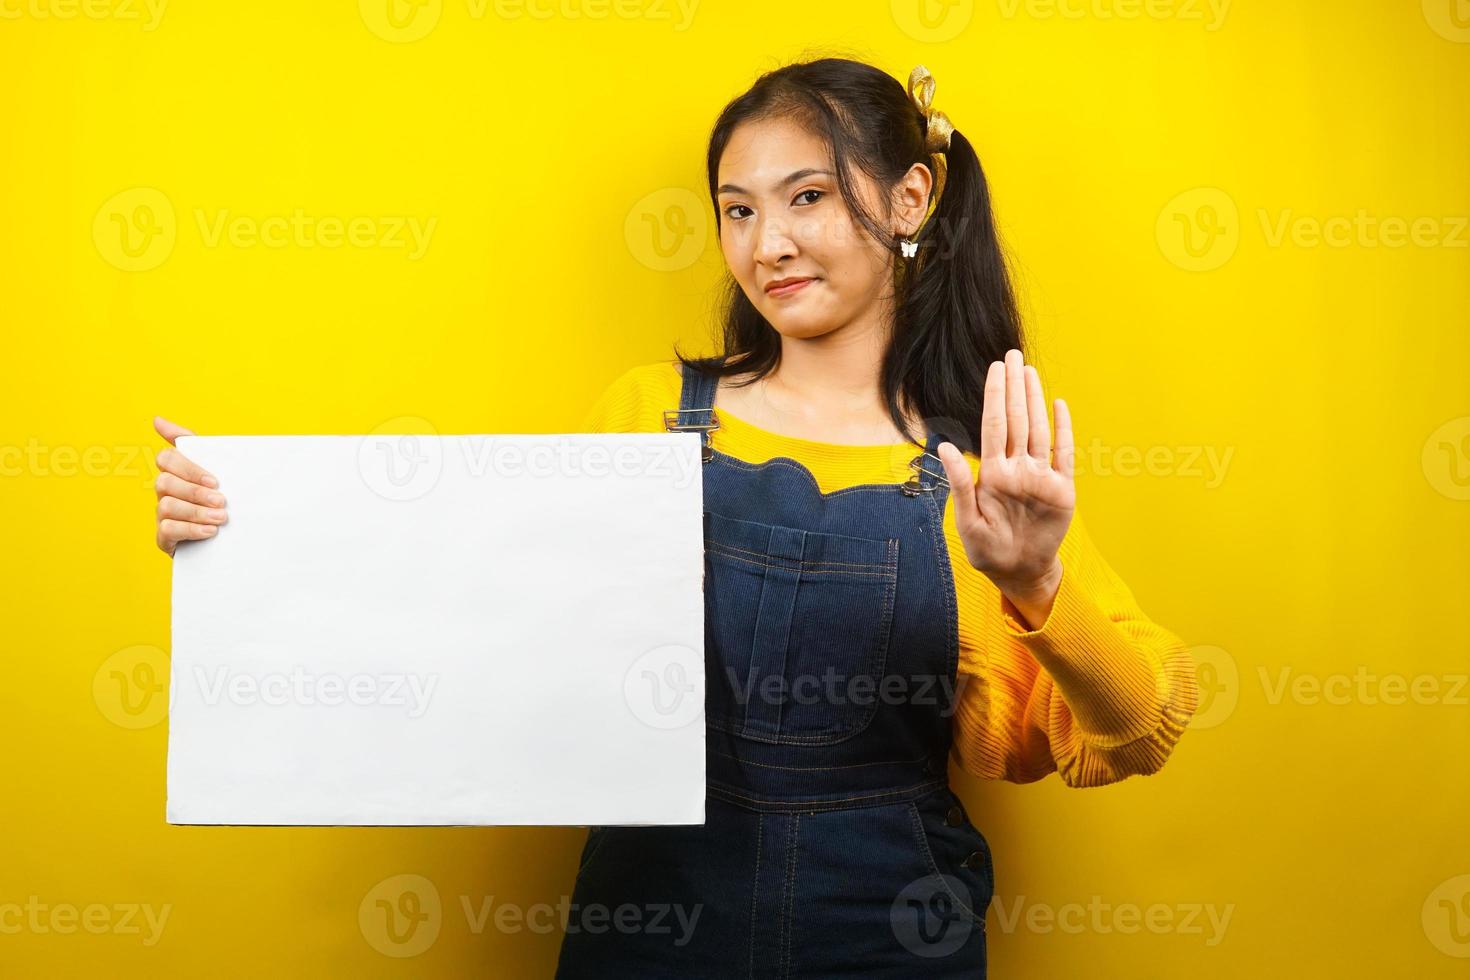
x,y
696,411
698,392
932,445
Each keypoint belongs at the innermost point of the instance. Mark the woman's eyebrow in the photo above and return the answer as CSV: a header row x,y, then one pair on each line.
x,y
784,182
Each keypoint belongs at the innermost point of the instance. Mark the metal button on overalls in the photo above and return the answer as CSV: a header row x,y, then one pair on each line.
x,y
832,843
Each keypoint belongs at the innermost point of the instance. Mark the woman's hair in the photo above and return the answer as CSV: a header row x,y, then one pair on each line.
x,y
954,309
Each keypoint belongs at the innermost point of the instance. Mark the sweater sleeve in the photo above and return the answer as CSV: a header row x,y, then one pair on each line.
x,y
1097,693
630,403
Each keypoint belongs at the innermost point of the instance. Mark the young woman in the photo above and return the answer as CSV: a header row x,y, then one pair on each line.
x,y
875,596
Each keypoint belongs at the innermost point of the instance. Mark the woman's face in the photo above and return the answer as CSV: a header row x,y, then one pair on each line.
x,y
782,217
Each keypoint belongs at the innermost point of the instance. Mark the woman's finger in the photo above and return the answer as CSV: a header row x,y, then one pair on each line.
x,y
961,483
185,531
170,460
1016,427
1063,463
182,510
1038,443
168,485
992,414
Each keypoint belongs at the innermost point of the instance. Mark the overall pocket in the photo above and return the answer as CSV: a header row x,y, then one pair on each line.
x,y
955,851
797,628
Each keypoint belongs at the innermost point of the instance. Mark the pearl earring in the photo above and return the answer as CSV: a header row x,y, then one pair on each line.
x,y
908,247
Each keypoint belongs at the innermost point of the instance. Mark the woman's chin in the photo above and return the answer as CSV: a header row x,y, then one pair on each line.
x,y
800,326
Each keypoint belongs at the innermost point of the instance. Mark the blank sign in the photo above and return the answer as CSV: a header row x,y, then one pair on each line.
x,y
431,630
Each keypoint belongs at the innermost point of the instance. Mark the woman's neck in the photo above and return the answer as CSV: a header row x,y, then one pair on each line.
x,y
826,389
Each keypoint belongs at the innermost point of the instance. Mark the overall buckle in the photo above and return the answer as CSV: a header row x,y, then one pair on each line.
x,y
913,486
672,423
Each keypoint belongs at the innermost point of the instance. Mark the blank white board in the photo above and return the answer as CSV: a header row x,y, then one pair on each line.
x,y
432,630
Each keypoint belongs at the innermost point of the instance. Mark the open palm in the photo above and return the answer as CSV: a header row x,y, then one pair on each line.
x,y
1013,516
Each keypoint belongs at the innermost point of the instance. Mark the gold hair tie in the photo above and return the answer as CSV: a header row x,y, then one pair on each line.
x,y
938,128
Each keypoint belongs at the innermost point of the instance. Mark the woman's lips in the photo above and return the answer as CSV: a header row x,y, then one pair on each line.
x,y
790,288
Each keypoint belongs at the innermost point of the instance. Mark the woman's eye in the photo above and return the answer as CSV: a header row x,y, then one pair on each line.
x,y
735,207
805,193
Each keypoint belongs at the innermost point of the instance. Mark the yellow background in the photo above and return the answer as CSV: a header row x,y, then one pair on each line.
x,y
1143,160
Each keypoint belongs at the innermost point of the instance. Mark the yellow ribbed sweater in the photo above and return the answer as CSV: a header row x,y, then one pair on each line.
x,y
1097,693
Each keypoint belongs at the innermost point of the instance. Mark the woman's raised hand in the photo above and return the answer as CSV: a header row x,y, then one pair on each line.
x,y
1012,518
190,505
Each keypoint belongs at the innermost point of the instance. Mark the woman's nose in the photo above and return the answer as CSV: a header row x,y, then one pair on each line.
x,y
773,244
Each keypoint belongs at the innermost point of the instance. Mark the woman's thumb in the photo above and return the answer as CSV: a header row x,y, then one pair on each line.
x,y
169,430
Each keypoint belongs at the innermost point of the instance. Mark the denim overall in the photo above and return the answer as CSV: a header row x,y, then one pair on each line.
x,y
832,843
